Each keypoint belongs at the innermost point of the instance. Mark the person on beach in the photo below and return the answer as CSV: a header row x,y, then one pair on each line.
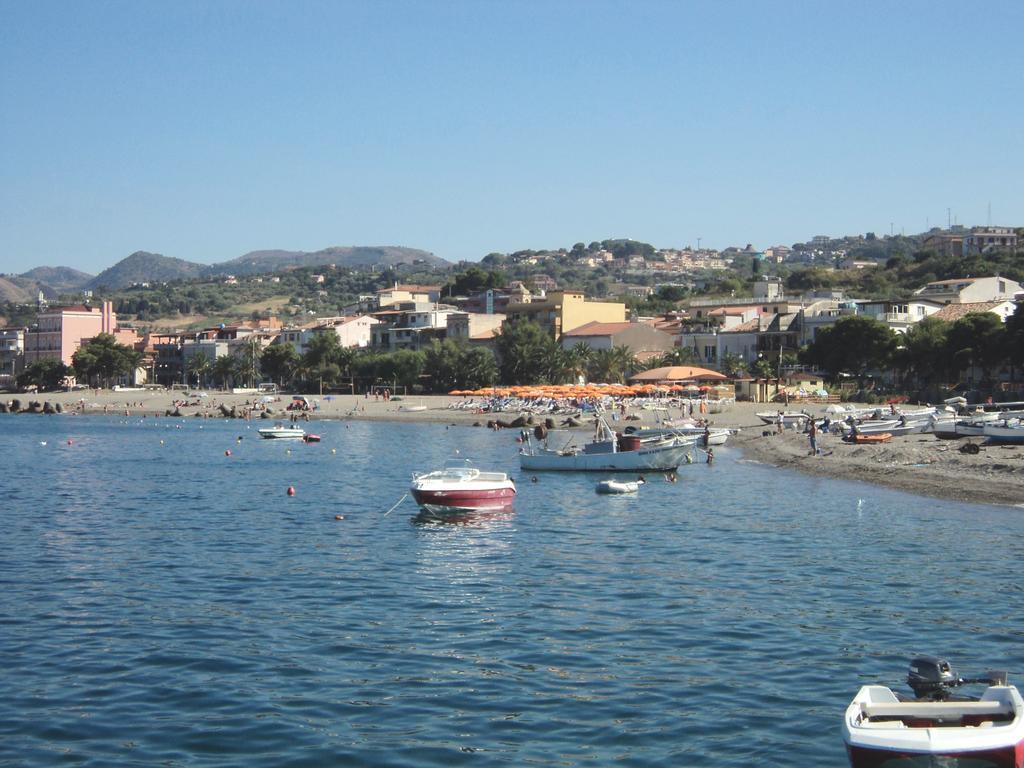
x,y
812,437
778,423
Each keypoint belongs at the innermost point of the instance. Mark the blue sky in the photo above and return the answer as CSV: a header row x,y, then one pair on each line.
x,y
203,130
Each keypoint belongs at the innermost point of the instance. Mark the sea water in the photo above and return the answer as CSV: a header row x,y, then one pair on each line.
x,y
164,602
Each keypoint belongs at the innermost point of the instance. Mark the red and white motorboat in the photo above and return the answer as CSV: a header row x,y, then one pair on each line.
x,y
460,486
883,729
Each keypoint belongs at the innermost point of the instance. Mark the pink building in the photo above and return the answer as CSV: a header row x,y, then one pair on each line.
x,y
60,331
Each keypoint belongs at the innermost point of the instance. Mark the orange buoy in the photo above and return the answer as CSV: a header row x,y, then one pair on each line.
x,y
291,490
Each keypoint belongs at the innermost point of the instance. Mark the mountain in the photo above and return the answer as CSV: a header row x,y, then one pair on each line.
x,y
20,290
144,267
342,256
60,279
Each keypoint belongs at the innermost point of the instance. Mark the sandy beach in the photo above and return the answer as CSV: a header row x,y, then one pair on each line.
x,y
918,464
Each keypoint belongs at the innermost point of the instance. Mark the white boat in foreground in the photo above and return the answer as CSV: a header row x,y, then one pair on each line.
x,y
461,486
607,452
281,432
882,729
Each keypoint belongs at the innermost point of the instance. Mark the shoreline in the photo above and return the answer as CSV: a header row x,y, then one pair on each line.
x,y
918,464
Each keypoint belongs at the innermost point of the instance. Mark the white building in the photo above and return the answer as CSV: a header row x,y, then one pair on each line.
x,y
965,290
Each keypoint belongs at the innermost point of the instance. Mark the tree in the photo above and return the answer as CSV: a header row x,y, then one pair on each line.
x,y
731,364
247,363
199,367
279,362
854,345
224,369
102,359
678,356
923,353
977,339
1015,336
611,365
577,360
43,375
526,353
477,368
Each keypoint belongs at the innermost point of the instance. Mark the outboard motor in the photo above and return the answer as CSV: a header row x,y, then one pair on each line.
x,y
934,679
931,677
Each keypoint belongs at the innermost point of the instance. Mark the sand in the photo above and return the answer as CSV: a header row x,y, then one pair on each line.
x,y
917,464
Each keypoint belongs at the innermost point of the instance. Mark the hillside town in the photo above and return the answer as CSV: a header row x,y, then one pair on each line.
x,y
762,336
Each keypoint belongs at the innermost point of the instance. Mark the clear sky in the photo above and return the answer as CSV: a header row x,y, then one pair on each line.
x,y
204,130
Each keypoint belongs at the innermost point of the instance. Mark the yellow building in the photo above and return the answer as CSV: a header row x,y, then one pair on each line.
x,y
561,311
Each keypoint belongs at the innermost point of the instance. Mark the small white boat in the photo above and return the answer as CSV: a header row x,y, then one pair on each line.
x,y
937,728
461,486
281,432
619,486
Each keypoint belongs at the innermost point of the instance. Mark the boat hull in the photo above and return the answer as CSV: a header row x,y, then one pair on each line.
x,y
1008,435
463,499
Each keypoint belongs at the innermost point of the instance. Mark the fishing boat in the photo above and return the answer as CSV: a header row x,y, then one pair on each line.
x,y
789,418
619,486
1010,432
694,435
606,452
281,432
883,729
459,486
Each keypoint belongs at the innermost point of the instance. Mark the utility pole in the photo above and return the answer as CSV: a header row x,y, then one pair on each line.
x,y
698,243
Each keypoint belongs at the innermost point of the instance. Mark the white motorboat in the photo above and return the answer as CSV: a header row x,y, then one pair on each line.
x,y
619,486
281,432
606,452
937,728
461,486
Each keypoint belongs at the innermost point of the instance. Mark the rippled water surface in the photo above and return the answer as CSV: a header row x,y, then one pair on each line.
x,y
161,602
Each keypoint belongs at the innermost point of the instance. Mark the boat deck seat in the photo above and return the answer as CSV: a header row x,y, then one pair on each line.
x,y
938,709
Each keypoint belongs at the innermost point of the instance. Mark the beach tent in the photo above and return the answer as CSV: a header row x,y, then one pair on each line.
x,y
677,373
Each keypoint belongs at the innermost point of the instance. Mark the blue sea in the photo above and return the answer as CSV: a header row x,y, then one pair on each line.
x,y
164,603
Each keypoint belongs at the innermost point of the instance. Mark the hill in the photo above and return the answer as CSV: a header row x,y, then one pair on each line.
x,y
60,279
144,267
20,290
342,256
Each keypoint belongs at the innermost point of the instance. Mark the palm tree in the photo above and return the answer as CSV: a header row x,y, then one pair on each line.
x,y
678,356
578,359
610,365
199,367
224,369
